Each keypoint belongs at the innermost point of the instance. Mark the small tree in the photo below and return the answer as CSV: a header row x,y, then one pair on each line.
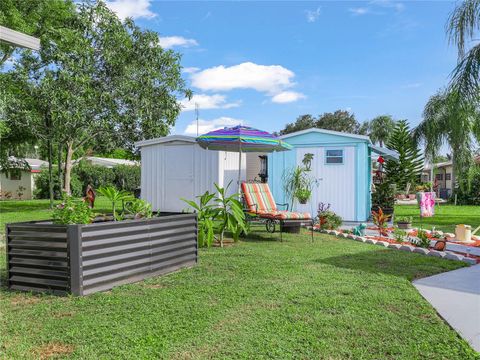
x,y
380,129
405,171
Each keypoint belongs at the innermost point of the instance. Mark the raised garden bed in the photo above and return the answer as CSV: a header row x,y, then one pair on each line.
x,y
84,259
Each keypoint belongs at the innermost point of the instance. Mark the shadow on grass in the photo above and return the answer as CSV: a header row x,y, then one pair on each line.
x,y
394,263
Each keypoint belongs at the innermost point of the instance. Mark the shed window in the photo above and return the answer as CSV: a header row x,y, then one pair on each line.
x,y
448,176
439,177
334,156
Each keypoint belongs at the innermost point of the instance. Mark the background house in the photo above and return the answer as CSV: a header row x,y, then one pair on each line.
x,y
108,162
442,176
20,183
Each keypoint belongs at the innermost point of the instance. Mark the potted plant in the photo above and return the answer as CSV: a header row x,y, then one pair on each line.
x,y
401,195
404,222
303,195
298,185
384,198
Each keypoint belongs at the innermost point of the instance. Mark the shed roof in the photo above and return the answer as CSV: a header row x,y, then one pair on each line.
x,y
165,139
330,132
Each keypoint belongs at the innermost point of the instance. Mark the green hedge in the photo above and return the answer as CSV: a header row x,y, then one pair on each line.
x,y
83,174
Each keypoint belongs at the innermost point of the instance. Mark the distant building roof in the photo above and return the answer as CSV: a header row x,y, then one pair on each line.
x,y
34,164
108,162
443,164
324,131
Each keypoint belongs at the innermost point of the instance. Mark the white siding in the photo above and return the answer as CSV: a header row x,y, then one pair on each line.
x,y
335,182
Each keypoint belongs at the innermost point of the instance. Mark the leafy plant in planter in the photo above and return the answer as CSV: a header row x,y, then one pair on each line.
x,y
139,209
404,222
115,196
380,219
72,211
297,185
384,198
303,195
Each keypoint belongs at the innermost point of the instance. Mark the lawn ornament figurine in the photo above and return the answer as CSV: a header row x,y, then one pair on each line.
x,y
90,197
360,229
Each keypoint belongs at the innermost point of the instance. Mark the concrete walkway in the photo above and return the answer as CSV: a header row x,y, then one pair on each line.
x,y
456,297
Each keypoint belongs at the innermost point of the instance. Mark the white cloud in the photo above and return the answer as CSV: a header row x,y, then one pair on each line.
x,y
270,79
287,97
359,11
205,126
131,8
204,101
312,15
168,42
397,6
190,70
412,85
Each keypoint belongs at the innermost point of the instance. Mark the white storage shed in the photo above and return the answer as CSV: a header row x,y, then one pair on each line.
x,y
176,167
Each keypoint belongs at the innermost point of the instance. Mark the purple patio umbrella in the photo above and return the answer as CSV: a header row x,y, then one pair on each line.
x,y
242,139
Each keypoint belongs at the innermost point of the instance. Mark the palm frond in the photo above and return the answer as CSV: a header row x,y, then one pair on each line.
x,y
466,76
463,23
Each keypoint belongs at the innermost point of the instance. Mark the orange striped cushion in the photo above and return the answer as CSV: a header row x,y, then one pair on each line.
x,y
258,197
284,215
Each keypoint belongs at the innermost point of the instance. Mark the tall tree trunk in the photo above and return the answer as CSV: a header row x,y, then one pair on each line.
x,y
59,159
50,171
68,168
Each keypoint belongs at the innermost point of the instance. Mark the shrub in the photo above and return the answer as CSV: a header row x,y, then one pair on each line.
x,y
139,208
399,235
422,239
127,177
72,211
328,220
94,175
384,196
42,189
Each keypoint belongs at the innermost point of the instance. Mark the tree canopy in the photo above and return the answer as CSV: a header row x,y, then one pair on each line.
x,y
340,120
380,129
102,84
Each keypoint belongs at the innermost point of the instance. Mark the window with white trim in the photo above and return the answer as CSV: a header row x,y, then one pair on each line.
x,y
334,156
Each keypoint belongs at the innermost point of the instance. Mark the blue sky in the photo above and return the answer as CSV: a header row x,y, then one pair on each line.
x,y
265,63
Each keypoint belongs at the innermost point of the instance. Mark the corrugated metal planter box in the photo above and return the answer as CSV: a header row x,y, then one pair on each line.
x,y
83,259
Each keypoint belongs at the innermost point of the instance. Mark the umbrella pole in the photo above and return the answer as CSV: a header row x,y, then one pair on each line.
x,y
239,173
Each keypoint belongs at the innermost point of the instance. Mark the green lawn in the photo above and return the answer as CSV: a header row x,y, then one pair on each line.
x,y
331,299
446,216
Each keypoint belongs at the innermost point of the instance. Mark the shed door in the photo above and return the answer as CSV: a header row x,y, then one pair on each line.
x,y
179,167
334,171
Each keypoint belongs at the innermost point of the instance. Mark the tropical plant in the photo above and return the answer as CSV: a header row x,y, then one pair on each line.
x,y
72,211
230,214
297,182
380,129
115,196
139,208
463,28
404,219
405,171
380,219
469,189
206,215
446,119
384,196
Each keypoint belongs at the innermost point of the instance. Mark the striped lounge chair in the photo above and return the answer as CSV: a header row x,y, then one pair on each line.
x,y
260,203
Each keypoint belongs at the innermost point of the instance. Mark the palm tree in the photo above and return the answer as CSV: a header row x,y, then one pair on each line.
x,y
380,129
463,28
446,119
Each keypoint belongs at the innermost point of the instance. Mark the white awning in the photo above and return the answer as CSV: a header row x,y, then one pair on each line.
x,y
386,153
17,38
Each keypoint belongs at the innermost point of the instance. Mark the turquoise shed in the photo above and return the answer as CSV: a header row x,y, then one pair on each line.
x,y
341,168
